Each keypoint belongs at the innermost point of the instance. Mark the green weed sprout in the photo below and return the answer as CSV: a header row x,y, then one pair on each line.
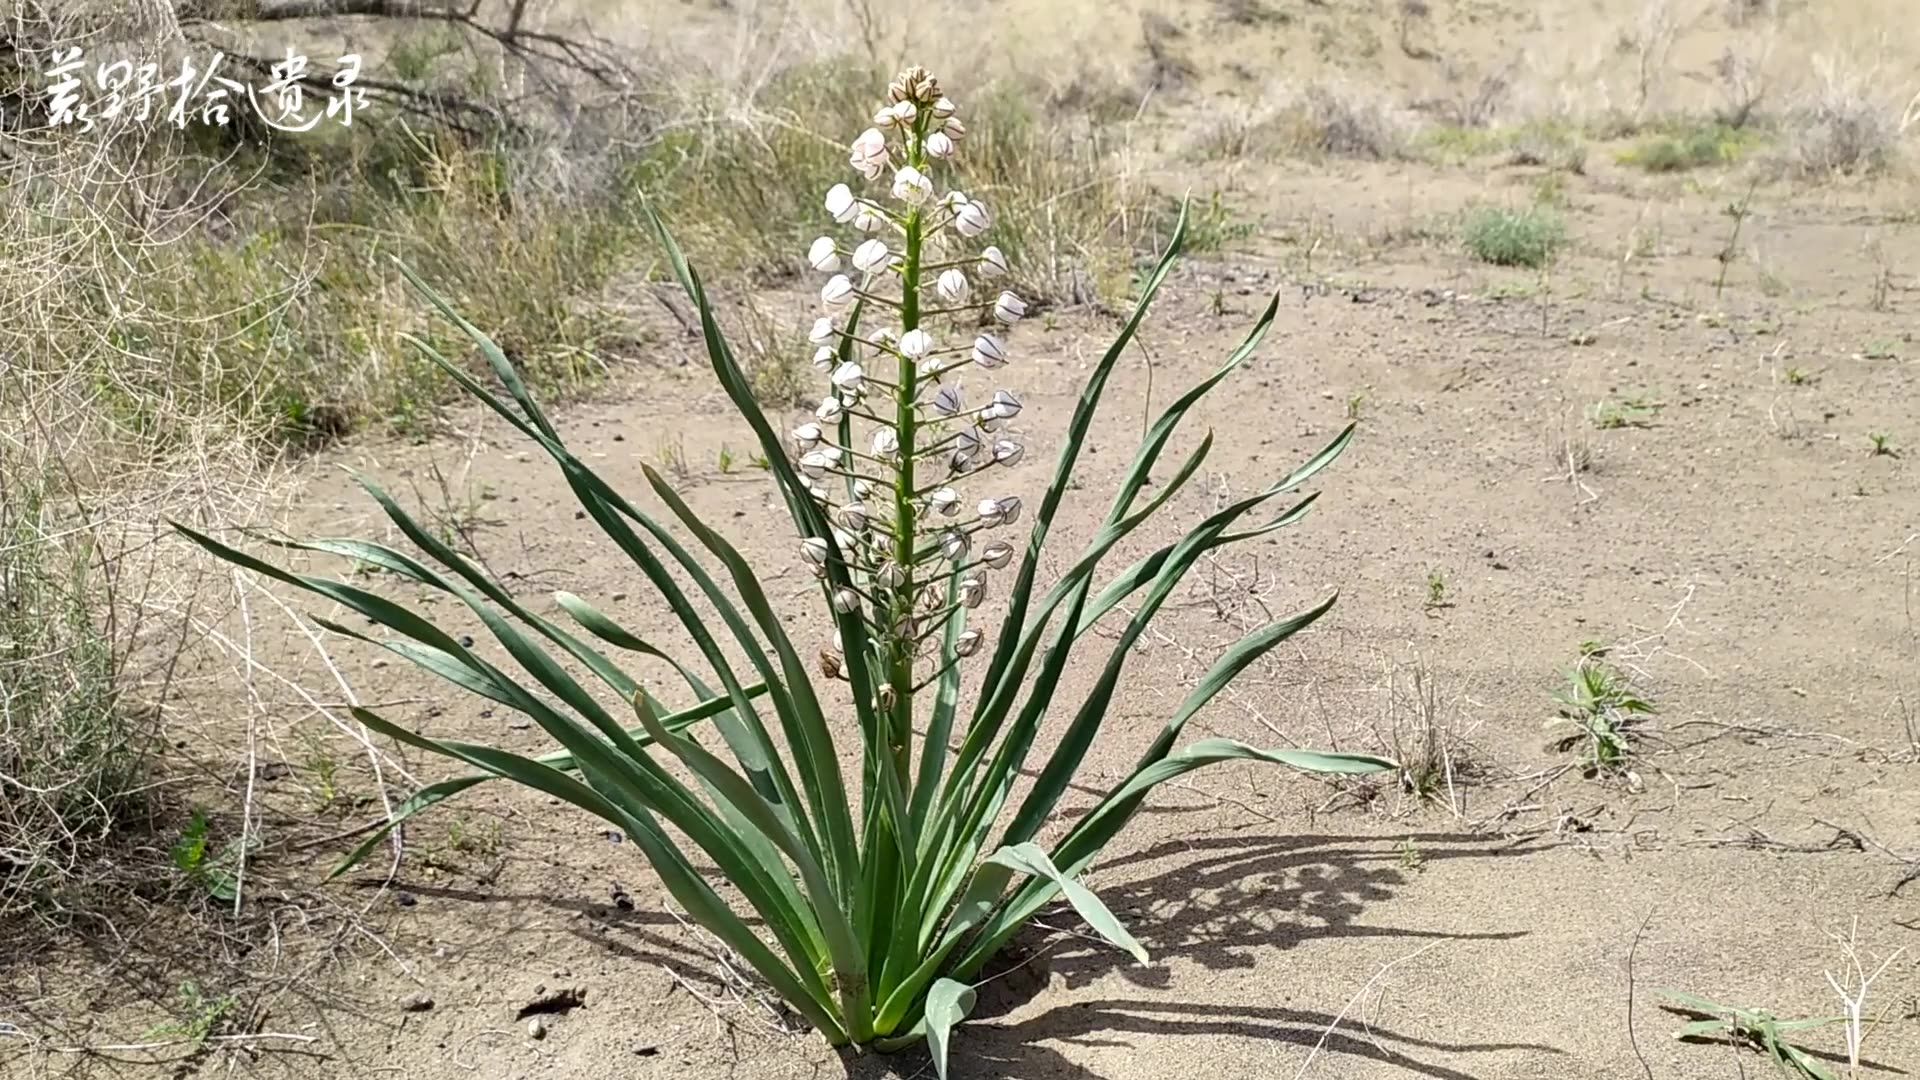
x,y
867,912
1604,712
1756,1028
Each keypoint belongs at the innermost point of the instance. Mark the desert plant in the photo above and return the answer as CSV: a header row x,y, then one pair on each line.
x,y
1756,1028
1508,237
1604,711
877,908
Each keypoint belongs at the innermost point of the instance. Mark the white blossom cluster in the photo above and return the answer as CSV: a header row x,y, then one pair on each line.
x,y
896,430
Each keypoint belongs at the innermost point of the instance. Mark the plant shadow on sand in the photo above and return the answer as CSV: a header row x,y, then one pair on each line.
x,y
1218,903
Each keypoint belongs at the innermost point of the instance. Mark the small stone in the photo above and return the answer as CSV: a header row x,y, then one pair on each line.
x,y
405,899
619,596
416,1003
645,1049
537,1027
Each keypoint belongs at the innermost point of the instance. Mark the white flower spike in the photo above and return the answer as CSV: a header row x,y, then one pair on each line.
x,y
911,186
871,256
952,286
824,255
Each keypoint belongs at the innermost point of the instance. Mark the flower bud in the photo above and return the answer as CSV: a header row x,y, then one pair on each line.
x,y
944,501
954,545
841,203
822,331
1009,309
870,256
814,550
807,436
824,255
960,461
849,376
967,643
883,699
854,516
868,154
886,442
1009,509
972,591
911,186
915,344
862,489
868,218
997,555
1007,452
846,601
954,129
1005,406
972,218
889,575
838,290
906,627
993,263
824,358
989,512
943,108
988,352
829,409
946,400
817,461
830,664
952,286
939,145
844,540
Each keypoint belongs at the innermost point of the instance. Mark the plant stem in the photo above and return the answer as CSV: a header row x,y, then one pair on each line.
x,y
900,675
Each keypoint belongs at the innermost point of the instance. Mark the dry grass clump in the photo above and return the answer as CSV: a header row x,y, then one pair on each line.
x,y
1321,119
1844,126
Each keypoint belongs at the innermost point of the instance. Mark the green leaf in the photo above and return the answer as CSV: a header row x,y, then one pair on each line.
x,y
948,1003
1028,858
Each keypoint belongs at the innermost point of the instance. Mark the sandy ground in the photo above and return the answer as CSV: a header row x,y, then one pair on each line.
x,y
1747,557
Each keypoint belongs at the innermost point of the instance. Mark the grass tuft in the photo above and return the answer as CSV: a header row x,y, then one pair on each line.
x,y
1504,236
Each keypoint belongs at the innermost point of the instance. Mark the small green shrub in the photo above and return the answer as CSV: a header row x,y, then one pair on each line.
x,y
1690,147
1509,237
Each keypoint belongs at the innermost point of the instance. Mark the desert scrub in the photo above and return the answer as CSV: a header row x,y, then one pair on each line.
x,y
1508,237
70,757
875,909
1691,146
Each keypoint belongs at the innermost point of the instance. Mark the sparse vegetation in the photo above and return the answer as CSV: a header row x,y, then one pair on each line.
x,y
1504,236
1756,1029
1615,413
1690,146
1606,713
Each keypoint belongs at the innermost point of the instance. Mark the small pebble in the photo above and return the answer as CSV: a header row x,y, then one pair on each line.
x,y
537,1027
416,1003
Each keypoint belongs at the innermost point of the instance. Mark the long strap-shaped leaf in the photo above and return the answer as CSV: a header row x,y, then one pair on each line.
x,y
1104,820
640,782
734,788
812,522
813,745
438,792
1076,434
685,885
